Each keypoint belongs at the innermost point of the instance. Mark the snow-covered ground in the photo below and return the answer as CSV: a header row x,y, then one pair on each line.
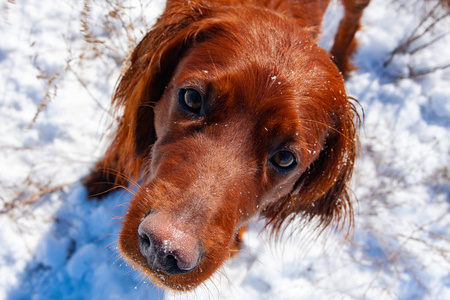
x,y
62,58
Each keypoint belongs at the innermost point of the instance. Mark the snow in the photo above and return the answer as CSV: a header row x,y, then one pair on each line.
x,y
56,244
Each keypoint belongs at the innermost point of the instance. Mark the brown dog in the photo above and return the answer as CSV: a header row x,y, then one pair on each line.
x,y
229,111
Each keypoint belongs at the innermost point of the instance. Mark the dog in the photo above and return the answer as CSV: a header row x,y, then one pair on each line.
x,y
229,111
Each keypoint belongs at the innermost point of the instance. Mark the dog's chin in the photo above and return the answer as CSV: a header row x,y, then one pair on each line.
x,y
180,282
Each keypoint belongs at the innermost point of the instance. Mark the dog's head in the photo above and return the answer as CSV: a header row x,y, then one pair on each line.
x,y
228,114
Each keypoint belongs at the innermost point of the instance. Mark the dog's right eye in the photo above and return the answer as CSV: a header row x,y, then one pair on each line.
x,y
284,160
191,99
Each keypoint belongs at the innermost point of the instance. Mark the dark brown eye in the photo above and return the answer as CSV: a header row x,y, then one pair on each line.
x,y
284,160
191,99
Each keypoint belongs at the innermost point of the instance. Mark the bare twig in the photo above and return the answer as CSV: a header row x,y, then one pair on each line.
x,y
427,44
417,73
434,16
50,90
8,206
46,190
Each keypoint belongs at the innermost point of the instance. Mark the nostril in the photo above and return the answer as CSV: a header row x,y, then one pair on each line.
x,y
144,242
171,260
172,265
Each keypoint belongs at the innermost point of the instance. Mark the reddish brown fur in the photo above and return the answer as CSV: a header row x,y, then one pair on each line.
x,y
267,86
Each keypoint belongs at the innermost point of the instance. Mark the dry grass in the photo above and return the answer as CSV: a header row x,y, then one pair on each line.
x,y
389,239
111,37
437,13
100,41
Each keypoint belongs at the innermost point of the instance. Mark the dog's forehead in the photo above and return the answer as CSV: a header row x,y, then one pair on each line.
x,y
274,89
259,81
248,64
243,85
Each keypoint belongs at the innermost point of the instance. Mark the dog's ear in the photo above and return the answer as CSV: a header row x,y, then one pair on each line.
x,y
150,68
322,192
323,189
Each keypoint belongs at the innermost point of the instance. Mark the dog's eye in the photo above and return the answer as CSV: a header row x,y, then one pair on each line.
x,y
284,160
191,99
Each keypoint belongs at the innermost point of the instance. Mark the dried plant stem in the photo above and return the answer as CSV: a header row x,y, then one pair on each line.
x,y
46,190
8,206
417,73
435,15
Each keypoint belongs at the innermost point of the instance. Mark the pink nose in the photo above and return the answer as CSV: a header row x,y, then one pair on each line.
x,y
166,246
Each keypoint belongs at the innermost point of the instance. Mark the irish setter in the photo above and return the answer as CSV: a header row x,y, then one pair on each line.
x,y
229,111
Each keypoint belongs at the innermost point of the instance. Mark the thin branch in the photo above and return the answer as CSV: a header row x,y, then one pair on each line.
x,y
416,35
417,73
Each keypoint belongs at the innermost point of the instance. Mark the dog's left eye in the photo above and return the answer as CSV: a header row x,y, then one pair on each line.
x,y
284,160
191,99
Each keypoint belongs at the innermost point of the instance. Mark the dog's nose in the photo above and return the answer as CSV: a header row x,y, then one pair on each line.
x,y
166,246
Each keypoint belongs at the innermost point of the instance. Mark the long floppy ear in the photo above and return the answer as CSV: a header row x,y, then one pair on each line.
x,y
322,192
323,189
150,69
